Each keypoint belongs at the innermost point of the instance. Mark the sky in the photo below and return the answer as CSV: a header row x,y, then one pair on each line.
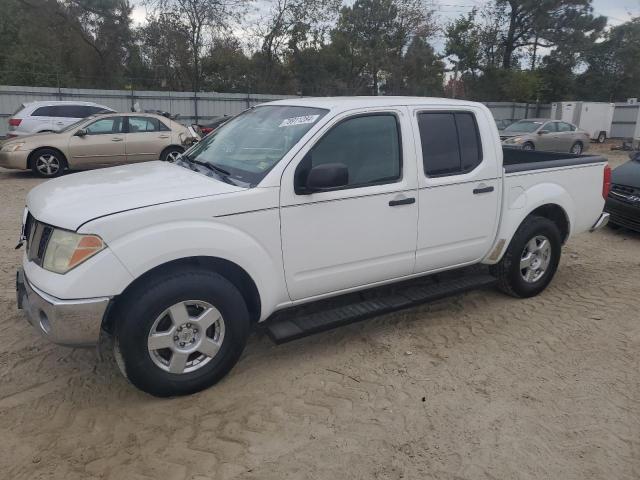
x,y
617,11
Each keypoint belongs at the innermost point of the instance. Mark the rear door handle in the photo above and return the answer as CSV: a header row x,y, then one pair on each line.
x,y
163,136
402,201
116,139
478,190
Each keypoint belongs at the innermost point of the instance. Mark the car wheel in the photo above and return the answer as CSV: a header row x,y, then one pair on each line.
x,y
48,163
576,149
529,147
531,260
602,137
180,333
171,154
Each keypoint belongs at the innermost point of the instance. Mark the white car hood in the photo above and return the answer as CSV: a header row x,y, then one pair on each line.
x,y
74,199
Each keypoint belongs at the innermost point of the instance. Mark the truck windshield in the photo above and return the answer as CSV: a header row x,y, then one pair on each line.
x,y
525,126
249,145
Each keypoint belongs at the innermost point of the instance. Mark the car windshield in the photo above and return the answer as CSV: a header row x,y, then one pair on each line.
x,y
74,125
249,145
527,126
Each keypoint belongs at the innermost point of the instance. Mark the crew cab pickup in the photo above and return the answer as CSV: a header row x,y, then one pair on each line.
x,y
289,203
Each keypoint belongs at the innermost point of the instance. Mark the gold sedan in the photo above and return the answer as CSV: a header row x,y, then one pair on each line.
x,y
97,141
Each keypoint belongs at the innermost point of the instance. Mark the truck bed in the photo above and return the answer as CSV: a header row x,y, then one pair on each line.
x,y
515,160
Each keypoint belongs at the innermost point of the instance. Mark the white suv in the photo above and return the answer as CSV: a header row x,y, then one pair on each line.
x,y
36,117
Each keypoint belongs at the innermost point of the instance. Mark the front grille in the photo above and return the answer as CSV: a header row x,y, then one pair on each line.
x,y
37,235
624,189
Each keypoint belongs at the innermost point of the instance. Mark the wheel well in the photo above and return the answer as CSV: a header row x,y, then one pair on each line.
x,y
557,215
32,155
229,270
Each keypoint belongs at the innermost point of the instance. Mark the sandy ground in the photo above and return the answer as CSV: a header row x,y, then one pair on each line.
x,y
480,386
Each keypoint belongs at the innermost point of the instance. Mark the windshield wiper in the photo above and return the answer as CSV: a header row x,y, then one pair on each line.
x,y
221,172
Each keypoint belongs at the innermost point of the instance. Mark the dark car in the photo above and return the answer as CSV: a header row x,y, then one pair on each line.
x,y
207,128
623,203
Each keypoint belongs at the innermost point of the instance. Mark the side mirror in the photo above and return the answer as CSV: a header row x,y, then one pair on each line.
x,y
327,177
81,133
543,132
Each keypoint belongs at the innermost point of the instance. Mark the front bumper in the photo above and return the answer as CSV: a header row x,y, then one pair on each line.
x,y
624,214
15,160
74,323
601,223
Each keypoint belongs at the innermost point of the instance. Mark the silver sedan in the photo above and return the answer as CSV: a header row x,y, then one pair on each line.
x,y
546,135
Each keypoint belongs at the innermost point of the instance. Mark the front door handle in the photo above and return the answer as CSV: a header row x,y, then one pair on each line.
x,y
402,201
478,190
117,139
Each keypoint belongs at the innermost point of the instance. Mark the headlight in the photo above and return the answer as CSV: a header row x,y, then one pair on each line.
x,y
514,140
66,250
13,147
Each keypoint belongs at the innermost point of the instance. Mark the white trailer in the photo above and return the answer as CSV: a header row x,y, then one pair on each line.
x,y
592,117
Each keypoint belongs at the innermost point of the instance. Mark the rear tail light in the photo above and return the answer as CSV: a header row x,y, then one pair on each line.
x,y
606,181
14,122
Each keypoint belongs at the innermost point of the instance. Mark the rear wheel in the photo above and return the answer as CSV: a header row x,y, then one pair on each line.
x,y
171,154
602,137
530,147
48,163
531,260
576,149
180,333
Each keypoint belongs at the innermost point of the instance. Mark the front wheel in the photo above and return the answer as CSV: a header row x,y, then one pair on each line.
x,y
531,260
529,147
180,333
48,163
602,137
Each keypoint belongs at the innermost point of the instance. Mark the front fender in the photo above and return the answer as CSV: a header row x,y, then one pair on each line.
x,y
518,204
150,247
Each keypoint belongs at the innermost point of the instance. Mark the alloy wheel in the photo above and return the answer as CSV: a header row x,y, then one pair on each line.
x,y
186,336
535,259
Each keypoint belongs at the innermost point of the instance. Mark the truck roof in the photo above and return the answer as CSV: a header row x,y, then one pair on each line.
x,y
350,103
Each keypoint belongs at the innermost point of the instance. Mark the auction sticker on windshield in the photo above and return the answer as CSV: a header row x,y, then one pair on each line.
x,y
290,122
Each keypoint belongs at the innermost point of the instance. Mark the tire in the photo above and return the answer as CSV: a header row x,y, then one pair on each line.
x,y
47,163
193,299
602,137
170,154
576,148
511,278
529,147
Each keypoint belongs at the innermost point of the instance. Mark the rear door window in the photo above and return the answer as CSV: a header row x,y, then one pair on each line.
x,y
43,112
143,124
450,143
105,126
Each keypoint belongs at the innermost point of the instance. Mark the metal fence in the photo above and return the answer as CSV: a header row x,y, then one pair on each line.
x,y
191,106
199,107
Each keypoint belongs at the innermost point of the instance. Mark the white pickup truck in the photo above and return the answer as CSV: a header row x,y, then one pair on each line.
x,y
289,203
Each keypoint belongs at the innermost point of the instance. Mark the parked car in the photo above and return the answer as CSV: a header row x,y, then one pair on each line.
x,y
97,141
595,118
502,124
623,202
207,128
292,202
38,117
546,135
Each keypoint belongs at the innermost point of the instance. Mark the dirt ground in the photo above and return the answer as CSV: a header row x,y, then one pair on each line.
x,y
480,386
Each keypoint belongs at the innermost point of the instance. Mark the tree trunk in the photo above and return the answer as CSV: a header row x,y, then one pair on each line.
x,y
510,40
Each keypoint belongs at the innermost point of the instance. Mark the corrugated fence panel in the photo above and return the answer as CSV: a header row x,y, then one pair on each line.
x,y
205,106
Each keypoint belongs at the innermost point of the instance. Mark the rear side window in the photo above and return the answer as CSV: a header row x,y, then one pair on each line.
x,y
565,127
450,143
144,124
43,112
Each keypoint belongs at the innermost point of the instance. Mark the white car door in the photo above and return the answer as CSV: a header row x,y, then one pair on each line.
x,y
365,231
459,183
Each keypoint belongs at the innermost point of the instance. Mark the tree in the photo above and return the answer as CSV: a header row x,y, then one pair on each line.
x,y
201,20
423,70
545,23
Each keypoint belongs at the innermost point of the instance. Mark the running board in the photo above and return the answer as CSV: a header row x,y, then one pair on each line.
x,y
287,326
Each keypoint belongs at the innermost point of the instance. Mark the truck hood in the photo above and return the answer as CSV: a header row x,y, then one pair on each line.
x,y
627,174
72,200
